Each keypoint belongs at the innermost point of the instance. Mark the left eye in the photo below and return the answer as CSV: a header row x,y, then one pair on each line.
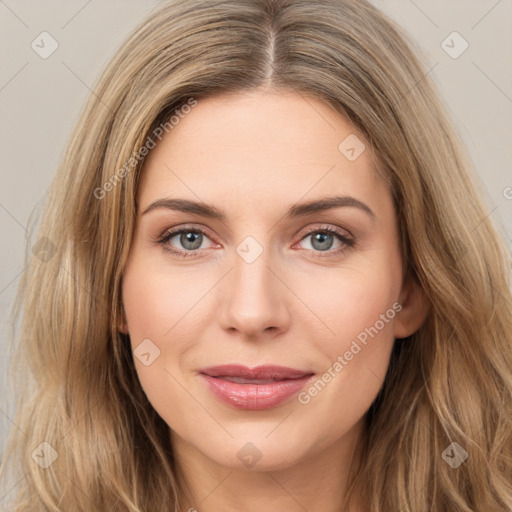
x,y
321,240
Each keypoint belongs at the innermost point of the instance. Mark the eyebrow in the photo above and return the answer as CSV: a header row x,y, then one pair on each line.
x,y
296,210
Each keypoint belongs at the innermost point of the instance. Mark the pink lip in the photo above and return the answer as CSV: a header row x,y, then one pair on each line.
x,y
288,381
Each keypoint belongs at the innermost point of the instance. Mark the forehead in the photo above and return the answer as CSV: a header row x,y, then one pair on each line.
x,y
258,147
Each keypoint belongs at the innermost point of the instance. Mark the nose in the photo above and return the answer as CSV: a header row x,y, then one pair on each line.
x,y
254,299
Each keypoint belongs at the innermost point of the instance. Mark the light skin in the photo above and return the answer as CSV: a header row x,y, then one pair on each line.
x,y
300,304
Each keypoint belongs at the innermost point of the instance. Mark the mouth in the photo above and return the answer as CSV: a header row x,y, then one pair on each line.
x,y
257,388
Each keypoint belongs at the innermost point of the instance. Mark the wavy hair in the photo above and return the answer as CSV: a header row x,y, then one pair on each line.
x,y
451,381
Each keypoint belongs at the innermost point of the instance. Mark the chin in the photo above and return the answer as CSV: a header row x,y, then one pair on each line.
x,y
258,455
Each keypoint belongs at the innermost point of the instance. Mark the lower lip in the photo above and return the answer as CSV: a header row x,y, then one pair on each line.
x,y
255,396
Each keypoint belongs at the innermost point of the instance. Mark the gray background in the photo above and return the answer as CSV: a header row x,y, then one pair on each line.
x,y
40,100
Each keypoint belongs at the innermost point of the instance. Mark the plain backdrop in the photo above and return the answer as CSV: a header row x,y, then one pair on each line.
x,y
40,99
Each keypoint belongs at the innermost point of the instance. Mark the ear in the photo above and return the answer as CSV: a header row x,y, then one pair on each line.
x,y
415,309
122,324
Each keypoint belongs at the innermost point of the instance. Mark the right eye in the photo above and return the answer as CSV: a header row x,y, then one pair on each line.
x,y
190,240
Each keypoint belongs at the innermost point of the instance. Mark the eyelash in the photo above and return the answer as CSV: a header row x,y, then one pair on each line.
x,y
349,243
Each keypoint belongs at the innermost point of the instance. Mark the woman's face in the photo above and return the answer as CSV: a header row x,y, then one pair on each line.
x,y
255,280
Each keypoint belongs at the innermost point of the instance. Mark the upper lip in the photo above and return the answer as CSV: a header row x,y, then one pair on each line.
x,y
259,372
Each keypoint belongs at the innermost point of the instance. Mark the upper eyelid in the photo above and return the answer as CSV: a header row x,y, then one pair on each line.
x,y
327,227
176,230
205,229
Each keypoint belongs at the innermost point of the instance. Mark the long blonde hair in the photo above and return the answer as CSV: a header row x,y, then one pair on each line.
x,y
449,382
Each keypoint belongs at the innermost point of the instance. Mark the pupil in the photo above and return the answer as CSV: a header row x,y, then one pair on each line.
x,y
321,238
191,240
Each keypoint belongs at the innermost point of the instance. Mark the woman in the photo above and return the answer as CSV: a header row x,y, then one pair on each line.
x,y
270,283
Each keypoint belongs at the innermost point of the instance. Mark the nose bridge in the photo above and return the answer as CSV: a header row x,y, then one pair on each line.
x,y
254,298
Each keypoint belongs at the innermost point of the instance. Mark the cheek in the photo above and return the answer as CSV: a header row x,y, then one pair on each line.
x,y
157,303
361,308
351,304
153,311
165,314
358,311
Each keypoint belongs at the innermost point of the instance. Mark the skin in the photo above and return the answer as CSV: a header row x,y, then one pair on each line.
x,y
253,155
